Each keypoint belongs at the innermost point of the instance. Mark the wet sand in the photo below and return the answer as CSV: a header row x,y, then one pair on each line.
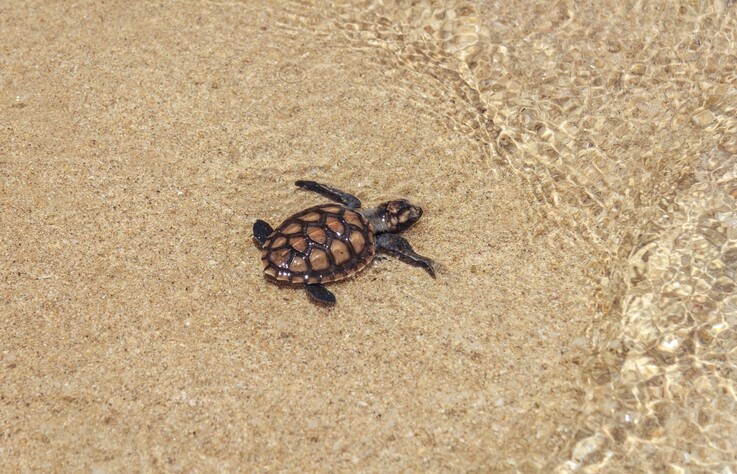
x,y
140,142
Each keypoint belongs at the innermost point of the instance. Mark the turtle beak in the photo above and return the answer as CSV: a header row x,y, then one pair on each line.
x,y
411,216
400,215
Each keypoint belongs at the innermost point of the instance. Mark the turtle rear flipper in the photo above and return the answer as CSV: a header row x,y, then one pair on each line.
x,y
320,293
261,231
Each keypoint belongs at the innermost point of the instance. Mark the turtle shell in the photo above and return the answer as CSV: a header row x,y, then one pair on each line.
x,y
320,244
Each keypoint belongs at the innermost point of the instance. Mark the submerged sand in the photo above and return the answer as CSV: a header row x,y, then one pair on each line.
x,y
578,170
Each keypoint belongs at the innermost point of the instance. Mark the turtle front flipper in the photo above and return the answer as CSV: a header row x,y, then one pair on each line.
x,y
331,193
261,231
320,293
399,247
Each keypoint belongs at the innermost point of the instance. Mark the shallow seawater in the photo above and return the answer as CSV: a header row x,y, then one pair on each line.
x,y
620,122
578,169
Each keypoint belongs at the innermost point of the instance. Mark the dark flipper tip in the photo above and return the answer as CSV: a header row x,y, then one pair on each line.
x,y
430,268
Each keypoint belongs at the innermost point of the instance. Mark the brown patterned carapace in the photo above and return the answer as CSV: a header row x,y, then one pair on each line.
x,y
320,244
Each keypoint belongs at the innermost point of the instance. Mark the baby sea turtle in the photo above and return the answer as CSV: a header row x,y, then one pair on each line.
x,y
334,241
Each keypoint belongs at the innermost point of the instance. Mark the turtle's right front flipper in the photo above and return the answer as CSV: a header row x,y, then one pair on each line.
x,y
399,247
331,193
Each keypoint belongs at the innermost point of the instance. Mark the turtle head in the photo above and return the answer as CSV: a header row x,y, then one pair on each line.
x,y
394,216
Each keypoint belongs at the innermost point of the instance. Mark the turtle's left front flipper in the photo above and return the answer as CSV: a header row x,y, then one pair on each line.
x,y
399,247
331,193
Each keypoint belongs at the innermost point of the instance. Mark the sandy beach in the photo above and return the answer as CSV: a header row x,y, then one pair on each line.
x,y
577,167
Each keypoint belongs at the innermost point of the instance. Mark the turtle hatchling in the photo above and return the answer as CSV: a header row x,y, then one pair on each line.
x,y
330,242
